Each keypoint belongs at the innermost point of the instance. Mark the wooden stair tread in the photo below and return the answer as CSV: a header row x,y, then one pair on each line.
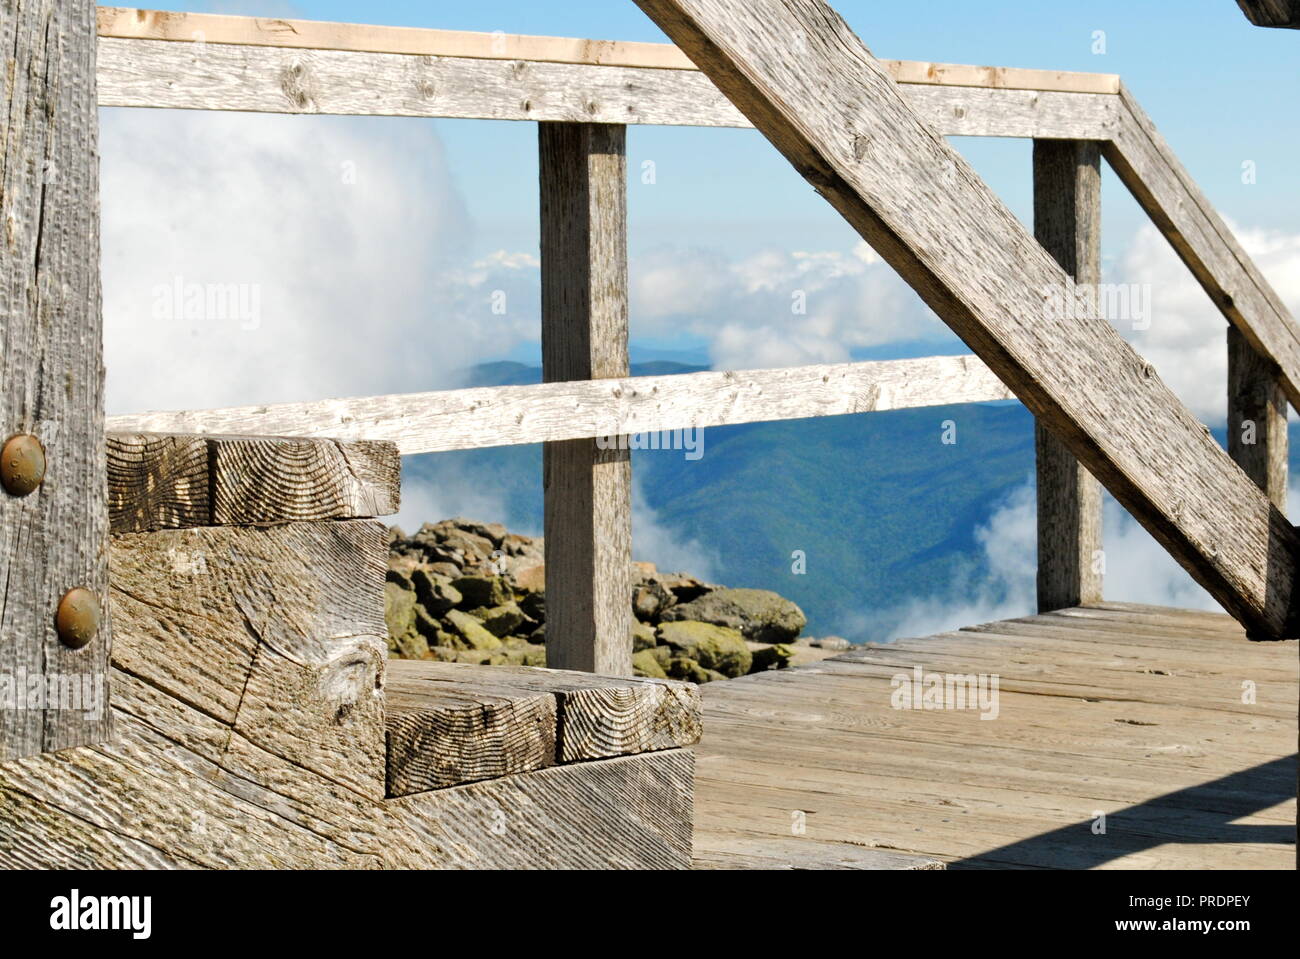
x,y
185,480
453,723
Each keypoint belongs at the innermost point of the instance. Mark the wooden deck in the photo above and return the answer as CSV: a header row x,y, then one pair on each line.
x,y
1132,711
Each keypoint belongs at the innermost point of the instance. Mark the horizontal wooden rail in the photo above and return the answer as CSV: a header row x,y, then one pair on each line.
x,y
206,28
245,77
546,412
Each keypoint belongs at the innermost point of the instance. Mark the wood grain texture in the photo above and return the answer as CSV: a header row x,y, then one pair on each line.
x,y
1164,188
202,28
1067,222
156,73
51,362
508,415
1132,711
448,727
633,812
1272,13
167,481
1257,408
598,716
588,491
837,116
747,852
452,723
249,709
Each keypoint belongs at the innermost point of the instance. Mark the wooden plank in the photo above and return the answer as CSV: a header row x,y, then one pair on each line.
x,y
632,812
1272,13
1160,184
746,852
449,727
166,481
247,622
509,415
51,368
1257,407
205,28
451,723
838,117
1067,222
156,73
1188,775
588,490
600,716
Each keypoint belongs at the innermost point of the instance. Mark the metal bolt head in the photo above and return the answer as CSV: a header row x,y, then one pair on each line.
x,y
77,619
22,464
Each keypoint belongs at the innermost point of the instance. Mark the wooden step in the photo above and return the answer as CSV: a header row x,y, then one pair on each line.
x,y
181,480
453,723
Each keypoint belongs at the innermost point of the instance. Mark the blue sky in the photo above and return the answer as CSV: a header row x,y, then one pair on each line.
x,y
1220,90
724,234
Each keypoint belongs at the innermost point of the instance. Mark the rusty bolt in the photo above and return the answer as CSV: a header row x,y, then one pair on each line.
x,y
22,464
77,619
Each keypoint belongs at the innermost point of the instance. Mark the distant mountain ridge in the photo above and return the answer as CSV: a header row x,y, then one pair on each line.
x,y
881,509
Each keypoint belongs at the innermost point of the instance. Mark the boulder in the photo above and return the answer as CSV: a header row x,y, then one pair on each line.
x,y
470,630
645,664
777,656
530,577
662,655
399,577
499,620
479,591
494,533
650,600
476,549
399,613
534,606
679,667
643,637
713,647
758,614
435,593
831,642
525,654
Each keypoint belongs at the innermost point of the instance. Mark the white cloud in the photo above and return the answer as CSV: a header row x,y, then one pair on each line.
x,y
346,235
748,309
655,542
1186,338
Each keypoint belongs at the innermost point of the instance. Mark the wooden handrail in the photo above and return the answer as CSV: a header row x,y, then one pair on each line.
x,y
547,412
134,24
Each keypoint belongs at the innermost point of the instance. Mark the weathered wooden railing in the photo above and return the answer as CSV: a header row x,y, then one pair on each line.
x,y
863,132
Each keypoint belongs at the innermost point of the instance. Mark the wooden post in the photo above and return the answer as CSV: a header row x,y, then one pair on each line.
x,y
1067,222
52,532
1257,440
588,495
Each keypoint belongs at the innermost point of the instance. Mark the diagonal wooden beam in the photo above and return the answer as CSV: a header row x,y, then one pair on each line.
x,y
1272,13
814,90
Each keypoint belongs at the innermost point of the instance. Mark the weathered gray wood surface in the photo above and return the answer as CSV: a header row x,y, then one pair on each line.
x,y
452,723
1067,222
450,727
1272,13
205,28
250,713
1257,408
838,117
748,852
507,415
157,73
1164,188
1137,712
162,481
588,490
51,362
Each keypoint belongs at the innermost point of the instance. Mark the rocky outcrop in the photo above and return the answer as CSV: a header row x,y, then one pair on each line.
x,y
464,591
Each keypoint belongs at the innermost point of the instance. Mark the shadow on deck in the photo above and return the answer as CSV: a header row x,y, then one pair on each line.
x,y
1168,723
